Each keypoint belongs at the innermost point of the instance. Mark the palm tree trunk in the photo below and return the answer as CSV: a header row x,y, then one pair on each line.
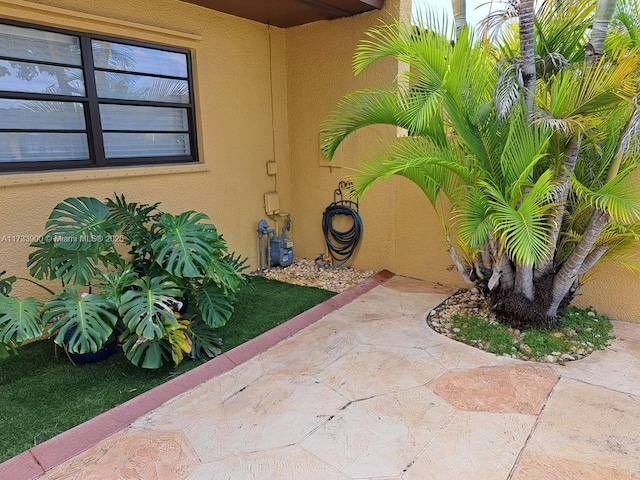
x,y
569,271
507,279
593,257
570,158
464,272
524,282
459,14
526,14
602,17
524,275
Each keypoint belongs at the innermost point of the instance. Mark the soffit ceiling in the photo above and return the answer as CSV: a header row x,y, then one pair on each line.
x,y
288,13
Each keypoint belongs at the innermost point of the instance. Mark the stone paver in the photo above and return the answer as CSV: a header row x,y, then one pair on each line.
x,y
474,445
617,367
585,425
380,436
516,389
369,391
369,371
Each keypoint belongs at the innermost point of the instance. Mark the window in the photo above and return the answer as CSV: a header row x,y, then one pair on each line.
x,y
75,100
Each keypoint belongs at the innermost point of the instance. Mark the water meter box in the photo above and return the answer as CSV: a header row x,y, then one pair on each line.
x,y
281,251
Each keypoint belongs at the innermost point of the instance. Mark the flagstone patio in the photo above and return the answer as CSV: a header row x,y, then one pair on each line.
x,y
368,391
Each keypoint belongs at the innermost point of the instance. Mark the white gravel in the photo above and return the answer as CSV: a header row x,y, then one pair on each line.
x,y
305,272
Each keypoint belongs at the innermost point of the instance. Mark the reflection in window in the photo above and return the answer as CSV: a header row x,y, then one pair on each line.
x,y
38,147
138,87
139,110
116,56
39,46
41,115
40,78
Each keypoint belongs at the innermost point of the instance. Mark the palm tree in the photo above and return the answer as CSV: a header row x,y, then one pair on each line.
x,y
459,14
602,17
540,188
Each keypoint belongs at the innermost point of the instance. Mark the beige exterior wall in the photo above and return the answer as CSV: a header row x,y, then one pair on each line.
x,y
234,63
318,74
233,100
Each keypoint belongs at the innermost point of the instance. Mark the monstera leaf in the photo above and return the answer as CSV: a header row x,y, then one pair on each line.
x,y
215,306
204,341
147,306
40,262
19,321
136,221
73,267
146,353
179,341
187,247
6,283
81,323
76,267
225,274
81,223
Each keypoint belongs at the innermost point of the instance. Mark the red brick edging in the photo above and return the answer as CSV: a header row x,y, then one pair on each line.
x,y
43,457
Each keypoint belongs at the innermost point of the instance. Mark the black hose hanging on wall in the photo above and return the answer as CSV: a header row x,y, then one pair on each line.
x,y
341,244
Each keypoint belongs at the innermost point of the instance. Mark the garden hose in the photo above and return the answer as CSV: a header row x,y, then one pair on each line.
x,y
341,244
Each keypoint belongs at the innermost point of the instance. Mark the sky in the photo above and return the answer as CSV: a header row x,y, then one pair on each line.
x,y
476,9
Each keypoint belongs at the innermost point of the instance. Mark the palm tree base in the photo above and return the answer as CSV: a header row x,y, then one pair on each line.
x,y
517,311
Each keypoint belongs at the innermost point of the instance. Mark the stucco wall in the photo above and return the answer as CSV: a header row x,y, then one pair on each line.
x,y
234,61
318,74
400,229
402,233
233,100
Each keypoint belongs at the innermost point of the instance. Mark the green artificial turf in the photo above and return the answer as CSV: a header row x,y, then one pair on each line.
x,y
42,396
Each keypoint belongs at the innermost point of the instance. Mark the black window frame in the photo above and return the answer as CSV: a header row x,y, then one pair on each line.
x,y
91,101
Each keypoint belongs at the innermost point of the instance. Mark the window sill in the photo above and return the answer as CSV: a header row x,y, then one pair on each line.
x,y
60,176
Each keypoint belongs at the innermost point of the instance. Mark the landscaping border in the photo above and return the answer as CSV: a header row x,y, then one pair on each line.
x,y
47,455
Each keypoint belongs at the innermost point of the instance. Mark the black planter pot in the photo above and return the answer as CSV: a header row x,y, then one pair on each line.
x,y
106,351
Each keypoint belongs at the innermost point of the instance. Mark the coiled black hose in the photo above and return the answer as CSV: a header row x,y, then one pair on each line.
x,y
341,244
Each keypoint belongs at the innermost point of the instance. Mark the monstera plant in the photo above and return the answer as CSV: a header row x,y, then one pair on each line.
x,y
163,299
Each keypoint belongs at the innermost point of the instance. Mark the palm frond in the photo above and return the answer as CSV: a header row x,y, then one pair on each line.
x,y
434,169
620,198
630,142
624,32
419,111
524,147
358,110
579,95
508,90
474,219
562,28
522,229
424,49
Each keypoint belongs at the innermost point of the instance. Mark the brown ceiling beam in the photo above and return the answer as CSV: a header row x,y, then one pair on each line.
x,y
374,3
327,8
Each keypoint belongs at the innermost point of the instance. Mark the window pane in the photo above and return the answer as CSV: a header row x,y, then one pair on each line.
x,y
39,45
116,56
40,115
125,145
137,87
38,78
130,117
40,147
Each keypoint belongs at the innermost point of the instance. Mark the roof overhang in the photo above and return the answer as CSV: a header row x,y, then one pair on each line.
x,y
288,13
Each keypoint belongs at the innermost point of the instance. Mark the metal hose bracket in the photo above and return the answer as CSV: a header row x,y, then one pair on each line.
x,y
341,244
